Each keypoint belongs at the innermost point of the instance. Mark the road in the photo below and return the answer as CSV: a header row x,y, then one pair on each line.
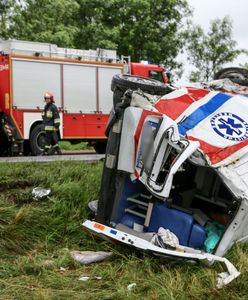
x,y
88,157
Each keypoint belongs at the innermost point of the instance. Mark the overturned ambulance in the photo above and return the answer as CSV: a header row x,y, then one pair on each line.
x,y
175,178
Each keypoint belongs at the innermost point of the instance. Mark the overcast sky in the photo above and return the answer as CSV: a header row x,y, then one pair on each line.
x,y
206,10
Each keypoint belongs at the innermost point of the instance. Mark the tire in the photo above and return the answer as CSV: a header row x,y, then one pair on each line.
x,y
37,139
117,96
236,75
26,148
124,82
100,147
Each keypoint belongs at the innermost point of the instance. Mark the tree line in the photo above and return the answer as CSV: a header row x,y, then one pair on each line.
x,y
153,30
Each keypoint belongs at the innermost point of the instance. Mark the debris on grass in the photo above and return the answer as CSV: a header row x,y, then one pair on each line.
x,y
86,278
93,206
88,257
40,193
131,286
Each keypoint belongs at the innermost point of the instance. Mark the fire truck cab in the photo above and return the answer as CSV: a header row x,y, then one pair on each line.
x,y
80,81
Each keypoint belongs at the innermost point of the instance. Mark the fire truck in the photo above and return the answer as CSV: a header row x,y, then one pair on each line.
x,y
80,81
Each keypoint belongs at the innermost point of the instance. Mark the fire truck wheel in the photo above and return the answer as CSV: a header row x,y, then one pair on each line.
x,y
100,147
236,75
37,139
26,148
124,82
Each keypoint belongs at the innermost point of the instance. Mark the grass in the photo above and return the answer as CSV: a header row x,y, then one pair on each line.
x,y
36,237
65,145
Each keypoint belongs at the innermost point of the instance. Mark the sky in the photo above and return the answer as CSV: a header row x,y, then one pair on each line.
x,y
207,10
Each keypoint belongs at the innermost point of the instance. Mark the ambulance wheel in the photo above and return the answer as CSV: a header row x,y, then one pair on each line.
x,y
124,82
37,139
100,147
236,75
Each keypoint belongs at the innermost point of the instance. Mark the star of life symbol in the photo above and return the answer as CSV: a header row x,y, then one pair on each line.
x,y
230,126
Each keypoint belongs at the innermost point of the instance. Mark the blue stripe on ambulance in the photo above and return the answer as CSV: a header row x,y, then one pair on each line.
x,y
203,112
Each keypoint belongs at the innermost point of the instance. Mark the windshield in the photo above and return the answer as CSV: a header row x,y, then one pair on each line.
x,y
157,75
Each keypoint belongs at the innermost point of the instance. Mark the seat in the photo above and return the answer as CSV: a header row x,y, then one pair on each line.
x,y
176,221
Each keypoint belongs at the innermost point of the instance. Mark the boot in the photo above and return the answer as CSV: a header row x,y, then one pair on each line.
x,y
51,151
45,150
57,150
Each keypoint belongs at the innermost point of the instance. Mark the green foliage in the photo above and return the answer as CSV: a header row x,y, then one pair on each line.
x,y
209,52
7,9
50,21
144,29
245,66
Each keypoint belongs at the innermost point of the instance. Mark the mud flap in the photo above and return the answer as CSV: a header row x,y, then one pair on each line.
x,y
180,252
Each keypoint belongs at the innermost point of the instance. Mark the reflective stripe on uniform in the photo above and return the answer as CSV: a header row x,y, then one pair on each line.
x,y
49,114
56,121
49,128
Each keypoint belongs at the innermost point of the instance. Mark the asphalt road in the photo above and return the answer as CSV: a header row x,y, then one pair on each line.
x,y
88,157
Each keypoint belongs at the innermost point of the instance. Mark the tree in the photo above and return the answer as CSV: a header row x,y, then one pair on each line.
x,y
51,21
209,52
245,66
143,29
7,8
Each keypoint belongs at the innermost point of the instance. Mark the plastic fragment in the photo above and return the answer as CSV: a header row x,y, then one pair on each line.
x,y
93,206
224,278
88,257
131,286
40,193
84,278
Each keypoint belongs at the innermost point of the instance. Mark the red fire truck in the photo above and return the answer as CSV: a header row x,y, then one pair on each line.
x,y
80,81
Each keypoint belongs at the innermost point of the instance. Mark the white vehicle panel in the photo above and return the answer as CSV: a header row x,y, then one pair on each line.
x,y
127,146
27,47
182,253
29,118
30,80
79,88
105,76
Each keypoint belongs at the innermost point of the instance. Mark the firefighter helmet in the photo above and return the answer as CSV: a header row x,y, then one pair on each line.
x,y
49,96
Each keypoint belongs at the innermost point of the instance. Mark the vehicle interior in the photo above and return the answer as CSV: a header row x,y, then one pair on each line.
x,y
198,210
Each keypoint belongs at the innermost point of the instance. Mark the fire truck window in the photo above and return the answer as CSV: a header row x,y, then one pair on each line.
x,y
156,75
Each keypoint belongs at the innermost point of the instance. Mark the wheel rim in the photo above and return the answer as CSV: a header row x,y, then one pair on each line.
x,y
235,75
41,140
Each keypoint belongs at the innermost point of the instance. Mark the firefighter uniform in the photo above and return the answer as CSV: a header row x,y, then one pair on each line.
x,y
51,121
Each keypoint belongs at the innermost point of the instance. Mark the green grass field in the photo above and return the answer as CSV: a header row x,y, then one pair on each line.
x,y
36,237
65,145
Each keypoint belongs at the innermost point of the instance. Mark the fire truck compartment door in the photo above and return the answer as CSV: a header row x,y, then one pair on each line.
x,y
105,75
30,80
80,94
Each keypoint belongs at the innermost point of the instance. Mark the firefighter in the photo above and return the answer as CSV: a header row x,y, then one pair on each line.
x,y
51,122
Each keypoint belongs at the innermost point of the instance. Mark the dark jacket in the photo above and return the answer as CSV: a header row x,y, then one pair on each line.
x,y
50,117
